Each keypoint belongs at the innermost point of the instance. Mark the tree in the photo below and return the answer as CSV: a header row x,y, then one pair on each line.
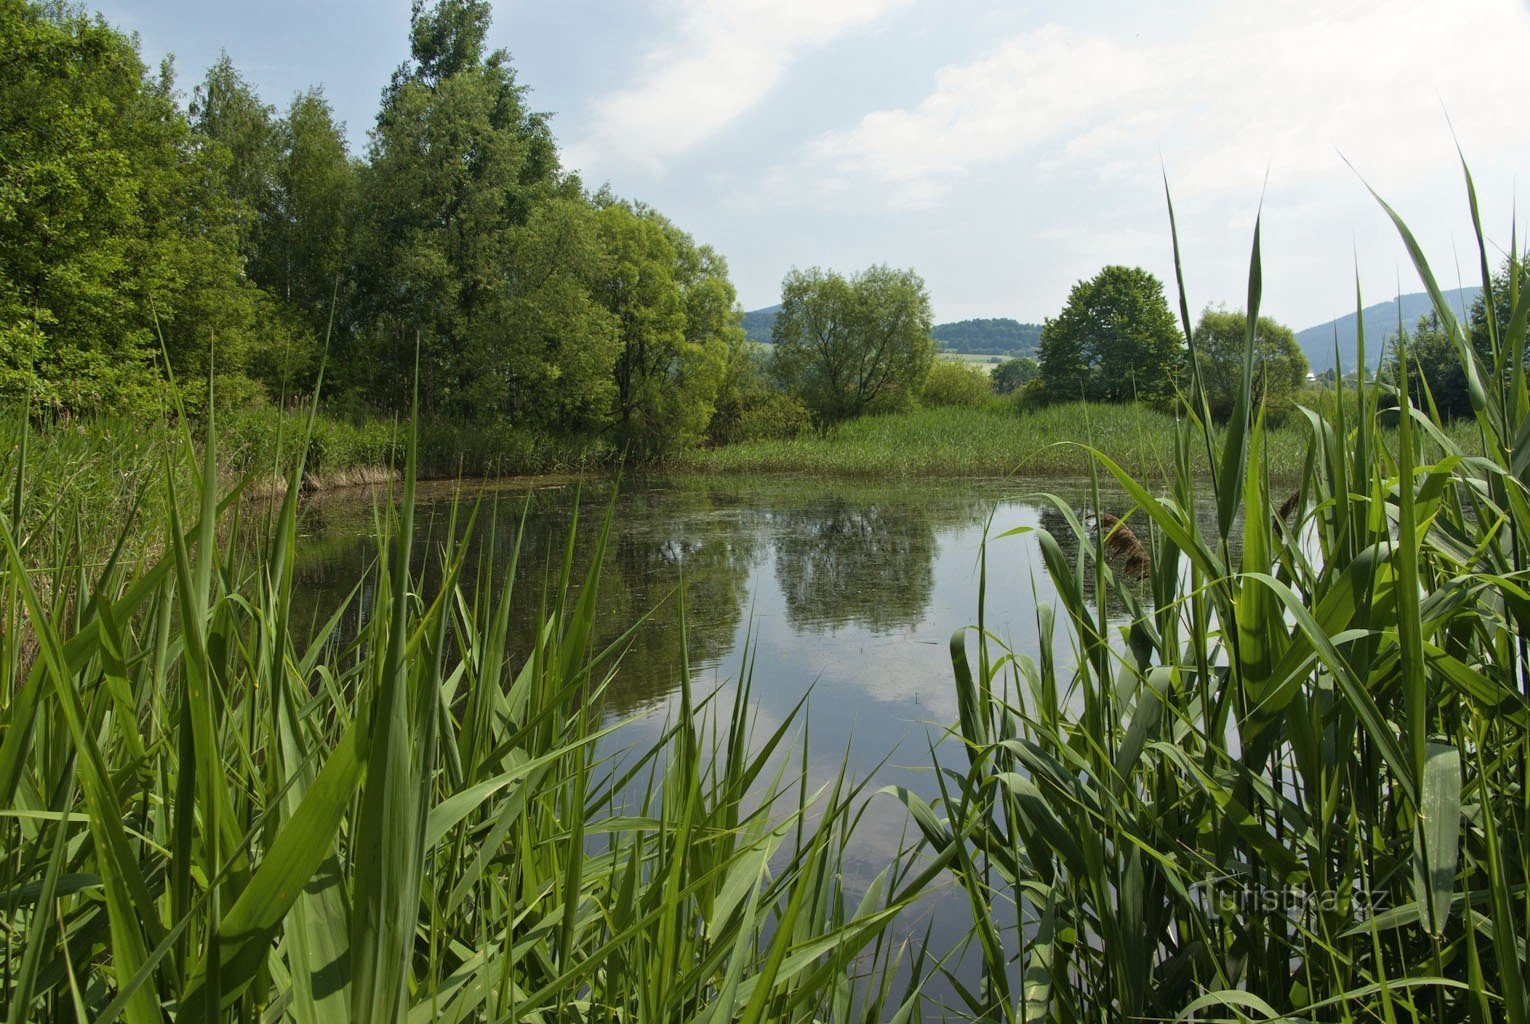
x,y
115,238
459,166
1280,367
845,347
1433,365
1114,341
1014,374
301,252
673,309
1435,362
239,135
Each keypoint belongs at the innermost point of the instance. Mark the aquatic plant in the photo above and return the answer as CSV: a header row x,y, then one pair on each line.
x,y
1293,785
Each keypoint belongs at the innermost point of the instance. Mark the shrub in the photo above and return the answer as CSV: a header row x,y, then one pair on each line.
x,y
953,383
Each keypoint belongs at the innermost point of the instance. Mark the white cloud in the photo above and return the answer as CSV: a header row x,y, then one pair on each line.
x,y
725,57
1285,85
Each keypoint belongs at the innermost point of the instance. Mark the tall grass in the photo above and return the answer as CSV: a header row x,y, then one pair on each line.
x,y
1294,785
205,817
994,440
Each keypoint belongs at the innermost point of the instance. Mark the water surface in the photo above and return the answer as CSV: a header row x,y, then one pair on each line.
x,y
846,594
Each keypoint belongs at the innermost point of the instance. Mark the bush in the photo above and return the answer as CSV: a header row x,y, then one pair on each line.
x,y
774,417
1013,374
953,383
750,408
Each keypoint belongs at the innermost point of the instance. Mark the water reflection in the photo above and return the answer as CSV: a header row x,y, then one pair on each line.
x,y
861,559
838,562
852,591
678,568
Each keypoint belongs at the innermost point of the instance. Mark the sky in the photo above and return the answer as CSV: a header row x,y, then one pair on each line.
x,y
1003,150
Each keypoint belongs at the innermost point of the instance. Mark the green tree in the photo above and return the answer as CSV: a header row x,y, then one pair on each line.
x,y
1280,367
264,167
674,314
239,137
848,346
458,166
1114,341
1434,361
301,254
114,232
1014,374
749,405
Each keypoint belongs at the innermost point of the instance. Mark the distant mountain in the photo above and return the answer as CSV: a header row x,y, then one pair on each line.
x,y
996,336
1380,324
993,337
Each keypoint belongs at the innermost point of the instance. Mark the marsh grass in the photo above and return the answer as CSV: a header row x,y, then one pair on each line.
x,y
1293,785
209,813
996,440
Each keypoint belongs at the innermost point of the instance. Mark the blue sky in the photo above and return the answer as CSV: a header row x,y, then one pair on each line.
x,y
1004,150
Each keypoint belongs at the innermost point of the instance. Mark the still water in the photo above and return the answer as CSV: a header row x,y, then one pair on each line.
x,y
846,594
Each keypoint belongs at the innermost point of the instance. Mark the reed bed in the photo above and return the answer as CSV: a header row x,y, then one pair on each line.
x,y
996,440
1293,785
209,811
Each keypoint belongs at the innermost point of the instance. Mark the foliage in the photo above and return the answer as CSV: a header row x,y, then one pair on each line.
x,y
674,311
1114,341
114,241
1013,374
1290,784
749,407
457,165
956,383
458,256
215,810
849,346
1280,368
1435,371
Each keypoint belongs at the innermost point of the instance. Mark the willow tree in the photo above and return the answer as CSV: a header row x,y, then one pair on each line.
x,y
845,346
675,319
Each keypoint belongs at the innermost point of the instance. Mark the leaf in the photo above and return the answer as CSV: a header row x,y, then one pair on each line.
x,y
1437,838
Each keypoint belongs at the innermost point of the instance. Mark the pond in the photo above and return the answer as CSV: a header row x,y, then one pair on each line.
x,y
846,594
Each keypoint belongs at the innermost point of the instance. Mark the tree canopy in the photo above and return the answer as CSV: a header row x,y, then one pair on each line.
x,y
116,242
1114,341
845,346
1013,374
1280,367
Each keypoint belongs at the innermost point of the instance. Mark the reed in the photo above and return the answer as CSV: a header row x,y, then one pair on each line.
x,y
998,440
1292,785
210,811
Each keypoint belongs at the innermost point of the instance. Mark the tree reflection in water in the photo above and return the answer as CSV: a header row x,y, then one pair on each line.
x,y
840,561
668,549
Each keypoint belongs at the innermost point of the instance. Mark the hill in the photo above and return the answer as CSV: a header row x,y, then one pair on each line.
x,y
1380,324
998,336
758,322
994,336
